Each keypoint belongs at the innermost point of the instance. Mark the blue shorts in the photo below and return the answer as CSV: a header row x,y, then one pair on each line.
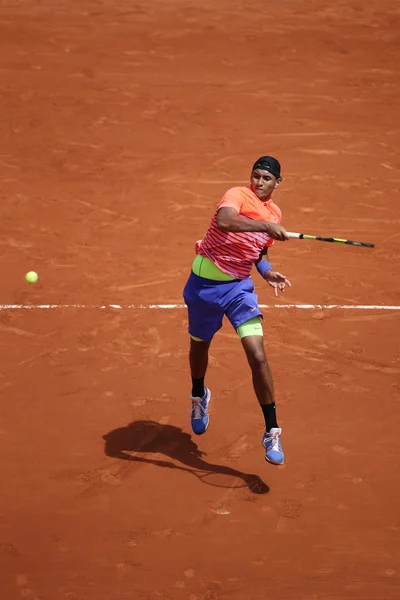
x,y
208,301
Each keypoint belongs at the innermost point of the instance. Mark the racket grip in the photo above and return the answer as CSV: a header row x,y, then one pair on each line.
x,y
293,235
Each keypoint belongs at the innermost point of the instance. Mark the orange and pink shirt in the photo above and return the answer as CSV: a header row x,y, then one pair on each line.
x,y
235,253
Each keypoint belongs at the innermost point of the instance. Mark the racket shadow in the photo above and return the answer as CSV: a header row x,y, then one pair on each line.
x,y
150,437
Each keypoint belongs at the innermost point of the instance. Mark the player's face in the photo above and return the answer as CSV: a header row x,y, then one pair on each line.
x,y
262,183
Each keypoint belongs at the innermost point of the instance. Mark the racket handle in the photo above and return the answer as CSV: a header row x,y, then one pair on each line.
x,y
293,235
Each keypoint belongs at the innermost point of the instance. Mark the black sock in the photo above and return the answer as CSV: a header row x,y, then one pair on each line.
x,y
269,412
198,387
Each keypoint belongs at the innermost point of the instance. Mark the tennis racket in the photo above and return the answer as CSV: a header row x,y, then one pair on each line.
x,y
304,236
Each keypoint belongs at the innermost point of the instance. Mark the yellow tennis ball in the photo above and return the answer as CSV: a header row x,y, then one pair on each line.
x,y
31,277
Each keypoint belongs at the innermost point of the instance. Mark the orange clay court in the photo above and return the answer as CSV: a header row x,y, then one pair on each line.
x,y
122,124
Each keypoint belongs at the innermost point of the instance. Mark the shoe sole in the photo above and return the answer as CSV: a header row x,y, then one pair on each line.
x,y
271,462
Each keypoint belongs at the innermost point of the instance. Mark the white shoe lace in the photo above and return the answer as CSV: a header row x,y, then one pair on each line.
x,y
273,438
197,410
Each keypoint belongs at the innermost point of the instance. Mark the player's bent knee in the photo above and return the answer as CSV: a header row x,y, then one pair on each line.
x,y
257,359
251,327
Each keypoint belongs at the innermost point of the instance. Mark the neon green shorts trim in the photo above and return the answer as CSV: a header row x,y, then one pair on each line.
x,y
204,267
251,327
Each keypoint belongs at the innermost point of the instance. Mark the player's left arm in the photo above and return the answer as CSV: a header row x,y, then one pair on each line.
x,y
273,278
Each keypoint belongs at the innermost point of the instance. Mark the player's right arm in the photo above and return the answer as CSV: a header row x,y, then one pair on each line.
x,y
228,220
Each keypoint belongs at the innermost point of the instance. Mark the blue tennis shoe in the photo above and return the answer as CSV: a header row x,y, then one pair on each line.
x,y
272,444
200,418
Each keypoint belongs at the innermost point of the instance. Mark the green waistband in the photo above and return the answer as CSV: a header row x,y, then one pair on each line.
x,y
204,267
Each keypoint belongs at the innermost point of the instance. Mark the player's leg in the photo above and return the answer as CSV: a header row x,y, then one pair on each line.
x,y
201,395
261,373
198,359
244,314
264,389
205,319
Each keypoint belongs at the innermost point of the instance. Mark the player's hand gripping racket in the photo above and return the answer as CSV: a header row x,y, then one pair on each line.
x,y
303,236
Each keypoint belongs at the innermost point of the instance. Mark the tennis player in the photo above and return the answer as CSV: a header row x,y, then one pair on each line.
x,y
244,226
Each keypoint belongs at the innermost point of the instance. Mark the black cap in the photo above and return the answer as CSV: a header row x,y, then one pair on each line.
x,y
268,163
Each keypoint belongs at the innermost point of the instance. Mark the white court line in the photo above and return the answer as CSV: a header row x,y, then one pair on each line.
x,y
177,306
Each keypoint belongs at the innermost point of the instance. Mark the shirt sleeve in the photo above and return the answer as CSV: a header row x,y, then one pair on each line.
x,y
233,198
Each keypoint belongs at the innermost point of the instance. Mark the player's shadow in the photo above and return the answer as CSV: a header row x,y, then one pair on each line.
x,y
150,437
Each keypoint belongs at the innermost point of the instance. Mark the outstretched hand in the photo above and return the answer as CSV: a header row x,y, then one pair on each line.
x,y
277,281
